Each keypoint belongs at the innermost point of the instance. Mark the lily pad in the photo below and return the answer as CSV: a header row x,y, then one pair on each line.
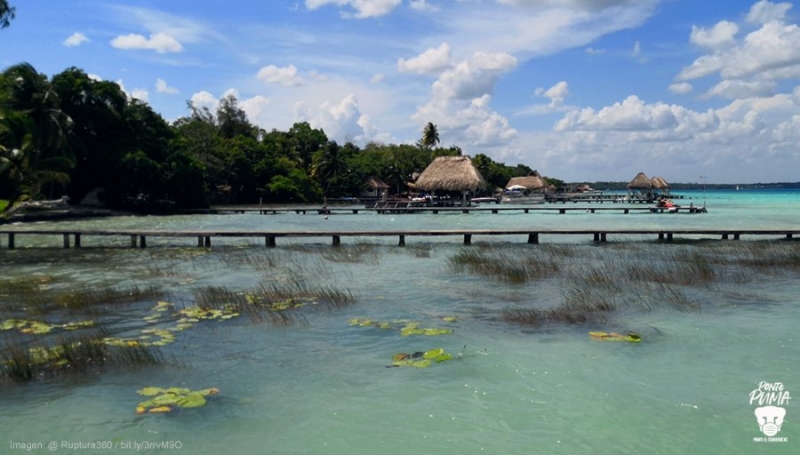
x,y
165,400
150,391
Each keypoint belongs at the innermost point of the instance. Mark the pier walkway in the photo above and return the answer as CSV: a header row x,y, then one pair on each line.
x,y
138,238
438,210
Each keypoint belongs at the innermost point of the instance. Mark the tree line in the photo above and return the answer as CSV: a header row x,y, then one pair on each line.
x,y
71,134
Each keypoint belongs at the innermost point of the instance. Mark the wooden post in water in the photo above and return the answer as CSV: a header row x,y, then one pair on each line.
x,y
467,239
735,236
66,240
402,241
725,236
133,241
337,240
199,241
533,238
788,236
77,240
142,241
269,241
596,236
669,236
562,211
207,241
660,236
602,236
10,240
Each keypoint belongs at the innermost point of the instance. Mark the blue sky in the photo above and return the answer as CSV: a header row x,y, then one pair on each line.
x,y
582,90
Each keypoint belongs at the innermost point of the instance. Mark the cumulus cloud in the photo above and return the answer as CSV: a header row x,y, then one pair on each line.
x,y
159,42
286,75
342,121
771,52
76,39
721,34
765,11
680,88
163,87
140,94
377,77
633,114
430,61
556,94
363,8
204,99
474,77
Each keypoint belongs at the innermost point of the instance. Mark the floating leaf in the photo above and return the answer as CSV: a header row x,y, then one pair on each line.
x,y
150,391
191,400
449,319
161,409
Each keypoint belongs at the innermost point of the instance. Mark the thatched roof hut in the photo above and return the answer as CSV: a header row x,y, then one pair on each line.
x,y
376,184
450,173
640,182
530,182
657,183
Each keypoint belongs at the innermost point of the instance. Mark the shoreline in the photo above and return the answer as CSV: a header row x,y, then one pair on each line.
x,y
62,213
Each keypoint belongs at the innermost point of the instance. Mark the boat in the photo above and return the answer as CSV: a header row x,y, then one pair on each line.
x,y
519,195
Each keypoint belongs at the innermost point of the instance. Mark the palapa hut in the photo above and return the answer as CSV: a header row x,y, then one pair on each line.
x,y
641,187
451,174
374,188
531,182
660,186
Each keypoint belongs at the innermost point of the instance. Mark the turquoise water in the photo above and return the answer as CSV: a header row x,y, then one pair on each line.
x,y
322,387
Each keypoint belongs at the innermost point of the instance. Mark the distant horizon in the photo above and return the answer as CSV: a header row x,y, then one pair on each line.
x,y
569,87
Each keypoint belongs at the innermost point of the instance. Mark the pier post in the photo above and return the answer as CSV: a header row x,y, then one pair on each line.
x,y
269,241
199,241
467,239
66,240
596,236
77,240
591,210
725,236
669,236
660,236
435,212
337,240
736,236
788,236
533,237
494,211
142,241
625,211
355,211
402,241
207,241
10,241
602,236
133,241
562,211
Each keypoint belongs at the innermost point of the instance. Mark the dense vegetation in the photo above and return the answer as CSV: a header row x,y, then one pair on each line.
x,y
71,134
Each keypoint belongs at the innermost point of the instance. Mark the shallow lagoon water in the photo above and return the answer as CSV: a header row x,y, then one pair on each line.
x,y
323,387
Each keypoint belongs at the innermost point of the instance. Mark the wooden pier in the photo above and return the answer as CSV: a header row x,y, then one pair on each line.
x,y
138,238
405,209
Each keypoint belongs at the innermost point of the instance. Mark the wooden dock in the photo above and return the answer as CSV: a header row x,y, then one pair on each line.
x,y
404,209
138,238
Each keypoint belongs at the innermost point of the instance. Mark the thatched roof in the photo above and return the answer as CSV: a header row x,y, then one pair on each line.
x,y
530,182
376,184
663,182
450,173
640,181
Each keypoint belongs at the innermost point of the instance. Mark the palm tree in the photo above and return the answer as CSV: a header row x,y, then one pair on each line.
x,y
34,132
6,14
430,136
327,164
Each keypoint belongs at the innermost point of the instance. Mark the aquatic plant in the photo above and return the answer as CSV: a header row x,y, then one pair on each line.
x,y
420,359
405,327
509,266
166,400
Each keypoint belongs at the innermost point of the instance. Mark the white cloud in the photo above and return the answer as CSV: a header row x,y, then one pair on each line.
x,y
637,49
377,77
255,108
591,50
76,39
721,34
137,93
286,75
204,99
428,62
764,11
343,121
159,42
163,87
735,89
556,94
363,8
422,5
680,88
474,77
771,52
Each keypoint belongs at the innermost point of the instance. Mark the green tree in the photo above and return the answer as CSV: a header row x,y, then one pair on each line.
x,y
305,141
47,151
6,14
232,120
